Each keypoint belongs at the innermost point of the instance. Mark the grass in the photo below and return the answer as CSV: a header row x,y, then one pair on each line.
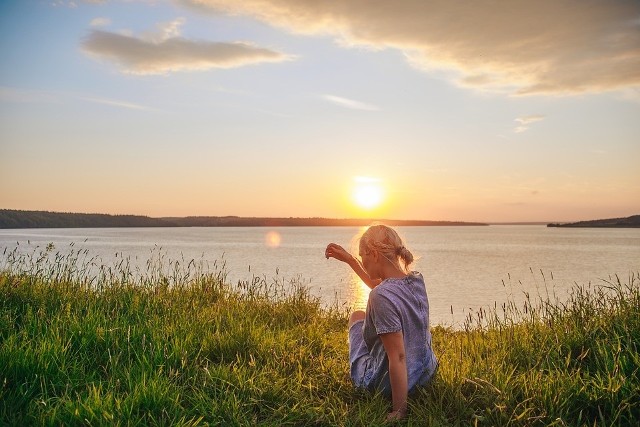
x,y
85,344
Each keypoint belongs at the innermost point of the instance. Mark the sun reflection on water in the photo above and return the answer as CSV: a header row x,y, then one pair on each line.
x,y
360,292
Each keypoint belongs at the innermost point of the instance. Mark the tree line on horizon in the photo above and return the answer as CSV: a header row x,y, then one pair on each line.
x,y
632,221
44,219
11,218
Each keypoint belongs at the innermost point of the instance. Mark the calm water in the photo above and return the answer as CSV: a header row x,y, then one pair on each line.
x,y
465,267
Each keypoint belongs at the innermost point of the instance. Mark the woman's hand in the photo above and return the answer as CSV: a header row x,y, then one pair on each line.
x,y
338,252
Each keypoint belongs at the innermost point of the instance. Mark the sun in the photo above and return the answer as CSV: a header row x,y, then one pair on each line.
x,y
367,193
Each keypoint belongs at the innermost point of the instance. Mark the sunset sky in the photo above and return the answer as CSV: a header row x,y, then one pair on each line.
x,y
413,109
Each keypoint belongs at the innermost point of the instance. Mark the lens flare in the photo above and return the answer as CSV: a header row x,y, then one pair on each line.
x,y
273,239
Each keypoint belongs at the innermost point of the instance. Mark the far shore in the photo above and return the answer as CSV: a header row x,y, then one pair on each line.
x,y
21,219
15,219
627,222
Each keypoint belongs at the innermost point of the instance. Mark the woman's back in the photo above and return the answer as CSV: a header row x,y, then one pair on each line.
x,y
400,305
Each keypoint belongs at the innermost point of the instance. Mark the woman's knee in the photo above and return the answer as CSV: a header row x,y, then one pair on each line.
x,y
356,316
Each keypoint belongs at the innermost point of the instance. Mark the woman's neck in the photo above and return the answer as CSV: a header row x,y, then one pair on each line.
x,y
390,271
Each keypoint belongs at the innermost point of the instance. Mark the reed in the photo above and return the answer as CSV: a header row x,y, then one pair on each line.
x,y
82,343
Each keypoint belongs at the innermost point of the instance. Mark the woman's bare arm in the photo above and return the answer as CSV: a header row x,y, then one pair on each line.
x,y
338,252
394,347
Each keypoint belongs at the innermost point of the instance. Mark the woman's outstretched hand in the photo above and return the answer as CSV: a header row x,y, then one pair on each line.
x,y
338,252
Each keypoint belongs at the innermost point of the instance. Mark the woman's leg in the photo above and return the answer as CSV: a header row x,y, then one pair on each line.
x,y
358,353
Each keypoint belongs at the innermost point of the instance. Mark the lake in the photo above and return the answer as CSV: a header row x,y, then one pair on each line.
x,y
465,268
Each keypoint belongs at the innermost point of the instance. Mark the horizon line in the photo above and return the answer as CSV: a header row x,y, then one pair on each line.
x,y
372,220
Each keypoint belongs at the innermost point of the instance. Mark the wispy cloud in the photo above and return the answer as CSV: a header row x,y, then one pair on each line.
x,y
100,22
116,103
526,121
163,51
349,103
631,94
74,4
62,3
523,48
15,95
164,31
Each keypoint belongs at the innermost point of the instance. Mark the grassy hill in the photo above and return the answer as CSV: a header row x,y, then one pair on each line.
x,y
189,349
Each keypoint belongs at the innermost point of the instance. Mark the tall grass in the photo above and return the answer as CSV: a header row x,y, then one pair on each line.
x,y
86,344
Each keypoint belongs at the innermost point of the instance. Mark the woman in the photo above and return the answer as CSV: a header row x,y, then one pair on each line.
x,y
389,343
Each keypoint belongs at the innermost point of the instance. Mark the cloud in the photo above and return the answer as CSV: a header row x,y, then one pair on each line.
x,y
30,96
349,103
164,31
518,47
631,95
100,22
15,95
525,121
116,103
74,4
163,51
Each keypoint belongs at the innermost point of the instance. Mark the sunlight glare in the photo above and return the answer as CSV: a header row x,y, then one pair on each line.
x,y
360,293
368,193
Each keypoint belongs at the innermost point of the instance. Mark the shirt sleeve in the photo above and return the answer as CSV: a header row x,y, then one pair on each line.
x,y
385,314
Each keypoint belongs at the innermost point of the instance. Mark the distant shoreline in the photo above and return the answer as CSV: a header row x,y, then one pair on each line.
x,y
21,219
18,219
628,222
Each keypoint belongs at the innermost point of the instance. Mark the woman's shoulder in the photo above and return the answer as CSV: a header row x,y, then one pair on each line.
x,y
416,274
413,276
389,284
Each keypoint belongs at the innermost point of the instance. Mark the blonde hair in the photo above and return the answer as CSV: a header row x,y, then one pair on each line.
x,y
388,243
